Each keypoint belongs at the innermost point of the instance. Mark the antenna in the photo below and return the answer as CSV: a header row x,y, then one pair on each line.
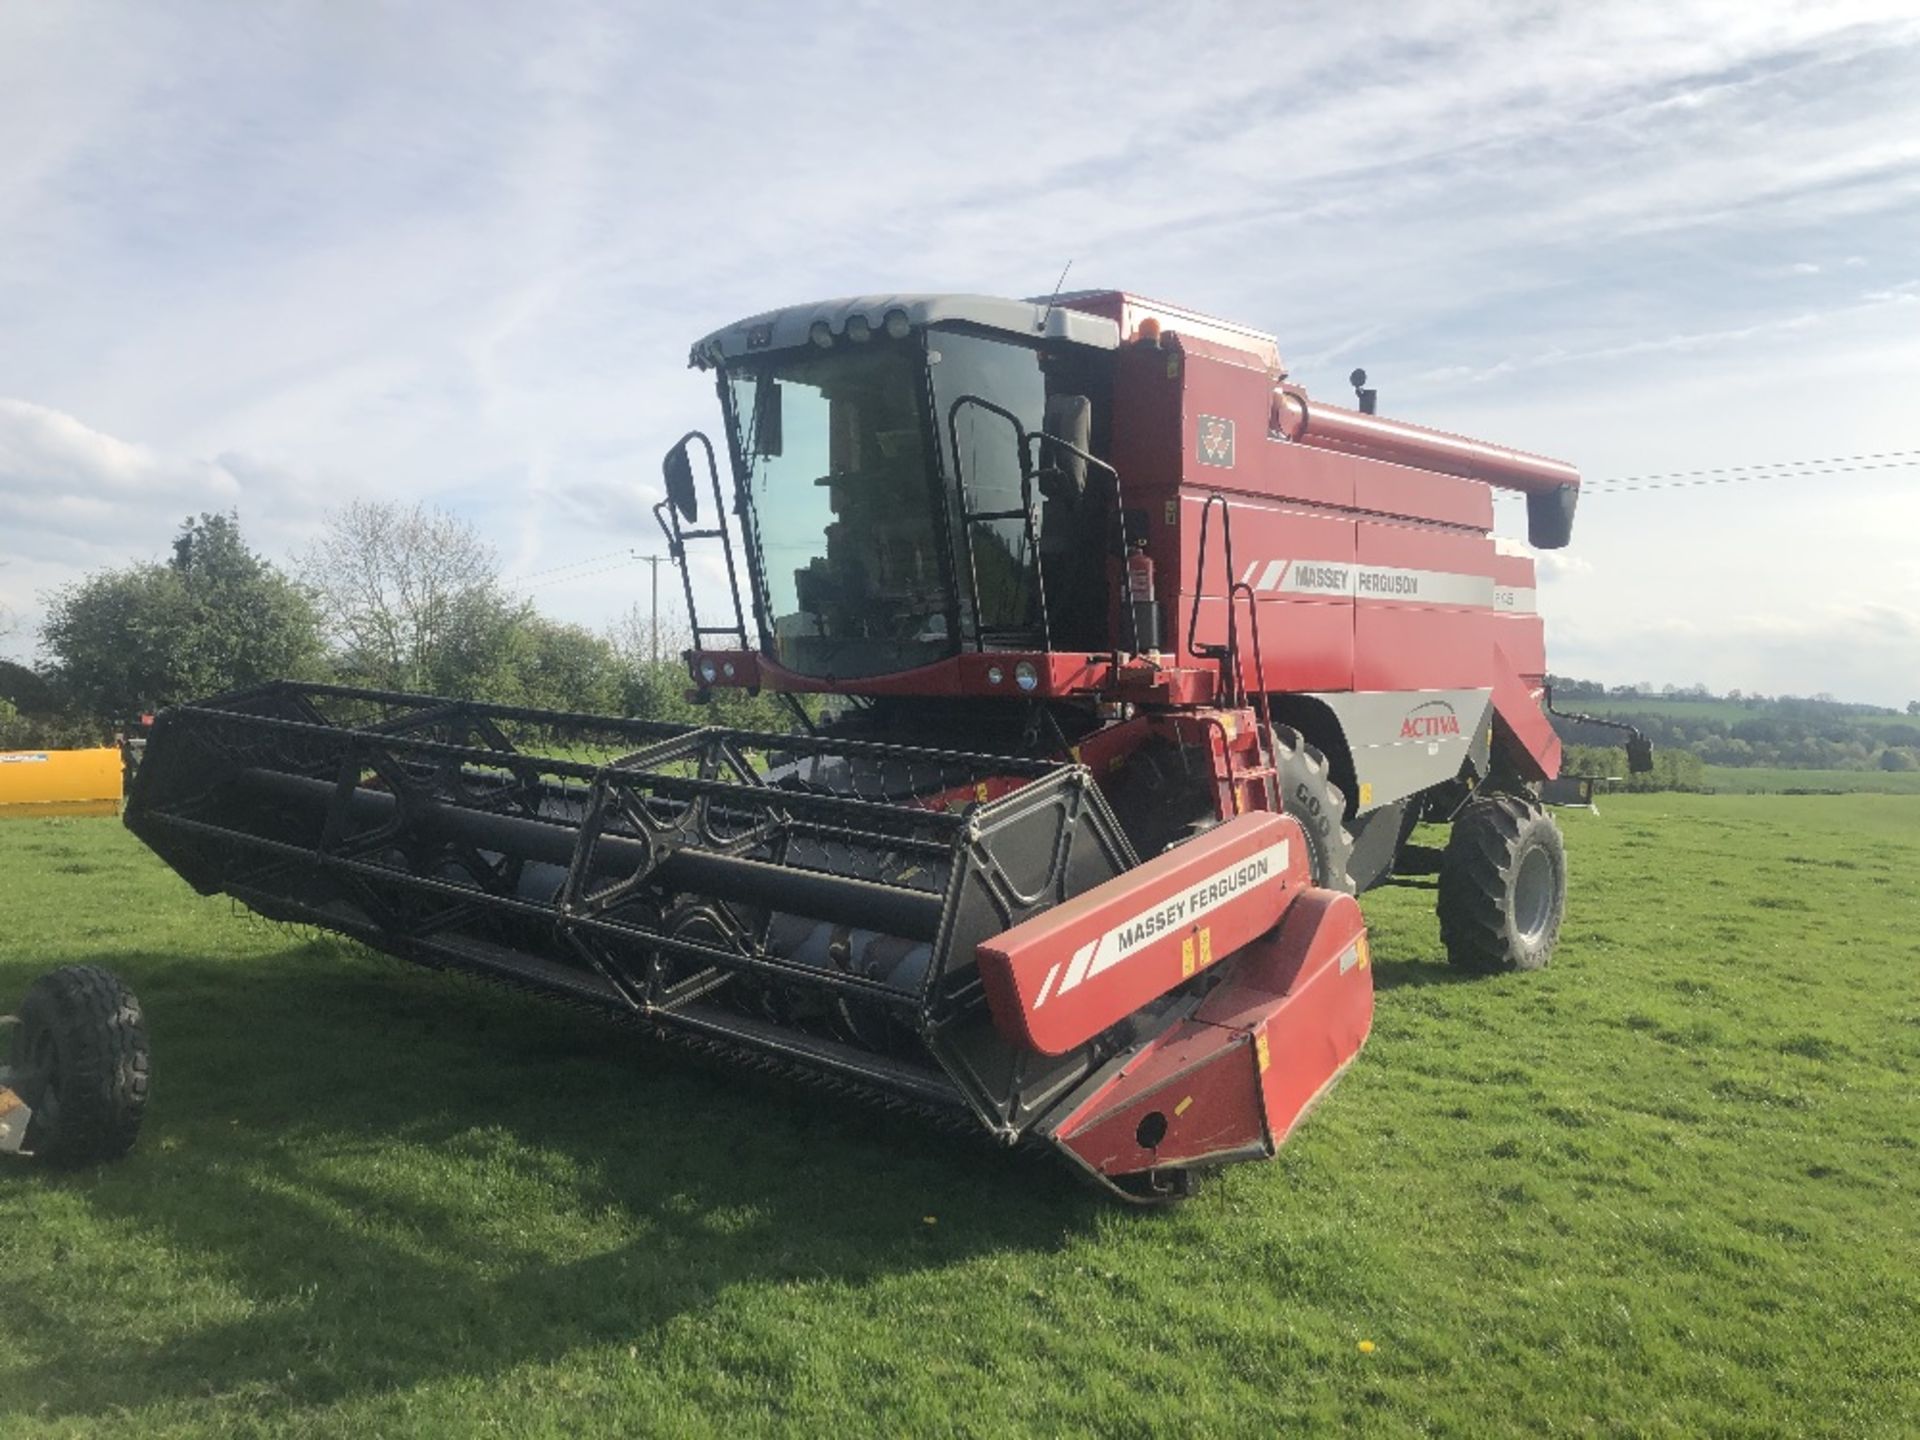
x,y
1047,313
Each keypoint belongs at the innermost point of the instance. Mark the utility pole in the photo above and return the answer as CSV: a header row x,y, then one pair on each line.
x,y
653,563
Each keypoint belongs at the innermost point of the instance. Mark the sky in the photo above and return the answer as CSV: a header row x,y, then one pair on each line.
x,y
270,257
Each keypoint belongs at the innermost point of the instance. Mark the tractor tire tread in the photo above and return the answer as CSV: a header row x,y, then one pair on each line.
x,y
1331,850
104,1073
1476,879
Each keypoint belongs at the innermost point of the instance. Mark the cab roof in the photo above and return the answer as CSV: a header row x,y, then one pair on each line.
x,y
789,327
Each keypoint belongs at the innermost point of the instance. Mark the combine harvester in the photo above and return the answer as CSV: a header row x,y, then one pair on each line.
x,y
1143,664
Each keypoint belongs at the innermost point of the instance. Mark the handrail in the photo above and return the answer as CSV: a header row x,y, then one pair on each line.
x,y
1227,655
1261,703
1119,510
1233,683
969,517
677,547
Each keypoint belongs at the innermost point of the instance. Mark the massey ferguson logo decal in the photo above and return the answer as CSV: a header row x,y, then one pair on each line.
x,y
1320,579
1400,583
1434,720
1216,441
1169,915
1325,579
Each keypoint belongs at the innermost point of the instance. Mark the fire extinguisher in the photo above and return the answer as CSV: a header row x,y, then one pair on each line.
x,y
1143,611
1139,573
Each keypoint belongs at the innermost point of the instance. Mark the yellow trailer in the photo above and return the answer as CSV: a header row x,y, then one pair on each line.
x,y
60,782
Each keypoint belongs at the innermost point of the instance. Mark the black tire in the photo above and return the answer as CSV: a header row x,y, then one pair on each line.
x,y
82,1062
1307,793
1503,885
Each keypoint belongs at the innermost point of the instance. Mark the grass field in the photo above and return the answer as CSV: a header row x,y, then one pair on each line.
x,y
1779,780
1667,1187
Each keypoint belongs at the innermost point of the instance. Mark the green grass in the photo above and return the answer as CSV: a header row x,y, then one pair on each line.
x,y
1667,1187
1780,780
1730,711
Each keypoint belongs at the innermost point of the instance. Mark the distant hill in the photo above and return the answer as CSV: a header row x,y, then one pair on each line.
x,y
1736,730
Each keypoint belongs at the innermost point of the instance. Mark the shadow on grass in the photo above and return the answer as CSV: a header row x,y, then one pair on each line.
x,y
380,1177
1390,974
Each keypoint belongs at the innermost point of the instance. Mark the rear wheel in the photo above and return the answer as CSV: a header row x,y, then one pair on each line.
x,y
1503,885
82,1062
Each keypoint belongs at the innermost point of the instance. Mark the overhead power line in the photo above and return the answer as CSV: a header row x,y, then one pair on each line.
x,y
1766,470
570,565
1803,472
608,568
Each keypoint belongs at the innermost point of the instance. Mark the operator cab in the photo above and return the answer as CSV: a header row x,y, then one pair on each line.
x,y
914,476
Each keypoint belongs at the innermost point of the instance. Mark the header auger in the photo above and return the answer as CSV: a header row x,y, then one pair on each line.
x,y
1146,666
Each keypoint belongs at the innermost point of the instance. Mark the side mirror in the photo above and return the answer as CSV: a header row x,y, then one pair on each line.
x,y
1063,474
677,469
767,433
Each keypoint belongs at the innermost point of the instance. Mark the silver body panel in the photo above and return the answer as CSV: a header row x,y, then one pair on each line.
x,y
1404,741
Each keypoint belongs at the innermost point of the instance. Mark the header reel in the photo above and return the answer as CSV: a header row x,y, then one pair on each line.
x,y
829,905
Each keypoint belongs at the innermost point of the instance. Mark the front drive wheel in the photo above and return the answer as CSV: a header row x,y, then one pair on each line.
x,y
1503,885
82,1062
1307,793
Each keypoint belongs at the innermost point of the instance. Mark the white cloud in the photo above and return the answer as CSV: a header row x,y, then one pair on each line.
x,y
73,498
1858,651
44,451
64,484
1554,564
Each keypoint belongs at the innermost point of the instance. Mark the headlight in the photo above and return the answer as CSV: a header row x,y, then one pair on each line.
x,y
858,330
707,671
1025,676
727,669
821,334
897,324
995,675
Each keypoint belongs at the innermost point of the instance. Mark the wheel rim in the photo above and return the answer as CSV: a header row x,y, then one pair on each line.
x,y
1533,894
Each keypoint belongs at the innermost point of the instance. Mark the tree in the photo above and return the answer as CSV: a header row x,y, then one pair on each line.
x,y
562,667
215,617
660,689
412,599
1913,707
27,690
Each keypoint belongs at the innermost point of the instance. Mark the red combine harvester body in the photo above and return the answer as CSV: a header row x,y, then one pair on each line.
x,y
1140,664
